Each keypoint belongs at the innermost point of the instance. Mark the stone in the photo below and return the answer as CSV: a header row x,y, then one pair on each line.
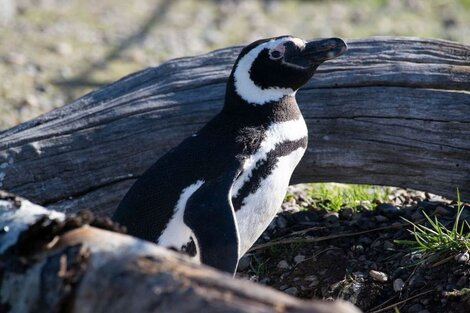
x,y
283,264
358,248
417,280
398,285
376,244
388,210
293,291
244,263
415,308
441,211
365,240
299,258
378,276
462,282
388,245
462,257
311,278
305,217
345,213
416,216
331,218
281,222
381,218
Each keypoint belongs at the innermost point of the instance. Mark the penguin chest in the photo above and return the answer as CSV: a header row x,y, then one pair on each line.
x,y
259,191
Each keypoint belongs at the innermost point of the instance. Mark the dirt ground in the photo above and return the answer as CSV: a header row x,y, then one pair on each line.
x,y
312,253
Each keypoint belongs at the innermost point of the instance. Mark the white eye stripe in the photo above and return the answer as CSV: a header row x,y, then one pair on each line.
x,y
246,88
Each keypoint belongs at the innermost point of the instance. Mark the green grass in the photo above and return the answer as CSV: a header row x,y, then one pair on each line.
x,y
437,241
333,196
259,268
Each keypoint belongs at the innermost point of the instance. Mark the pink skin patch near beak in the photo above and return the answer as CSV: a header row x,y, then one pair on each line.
x,y
277,52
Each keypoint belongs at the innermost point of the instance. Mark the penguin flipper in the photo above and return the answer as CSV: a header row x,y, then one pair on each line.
x,y
209,213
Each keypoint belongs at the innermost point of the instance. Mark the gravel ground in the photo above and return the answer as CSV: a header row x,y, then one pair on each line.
x,y
312,253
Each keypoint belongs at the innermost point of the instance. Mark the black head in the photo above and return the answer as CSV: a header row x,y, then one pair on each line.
x,y
270,69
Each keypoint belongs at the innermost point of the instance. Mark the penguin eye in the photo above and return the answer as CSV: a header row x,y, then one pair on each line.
x,y
275,54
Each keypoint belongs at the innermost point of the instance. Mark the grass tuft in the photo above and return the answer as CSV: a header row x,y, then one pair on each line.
x,y
437,240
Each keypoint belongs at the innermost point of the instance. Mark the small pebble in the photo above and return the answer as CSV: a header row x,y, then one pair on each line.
x,y
293,291
415,308
417,216
358,248
376,244
462,282
311,278
281,222
389,245
244,263
440,210
331,218
387,209
378,276
265,281
299,258
346,213
283,264
462,257
398,285
381,218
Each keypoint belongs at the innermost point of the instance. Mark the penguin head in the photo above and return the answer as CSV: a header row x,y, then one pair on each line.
x,y
270,69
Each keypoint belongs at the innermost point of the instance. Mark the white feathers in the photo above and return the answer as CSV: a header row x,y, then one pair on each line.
x,y
259,208
176,233
247,89
276,133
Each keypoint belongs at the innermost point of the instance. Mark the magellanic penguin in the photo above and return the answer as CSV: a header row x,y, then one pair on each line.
x,y
215,193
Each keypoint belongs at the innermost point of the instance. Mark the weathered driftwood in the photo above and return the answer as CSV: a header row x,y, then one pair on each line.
x,y
64,266
391,111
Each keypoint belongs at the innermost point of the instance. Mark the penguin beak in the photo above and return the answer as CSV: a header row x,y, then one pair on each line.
x,y
317,51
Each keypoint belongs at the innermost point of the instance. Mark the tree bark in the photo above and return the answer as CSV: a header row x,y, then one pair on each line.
x,y
53,263
391,111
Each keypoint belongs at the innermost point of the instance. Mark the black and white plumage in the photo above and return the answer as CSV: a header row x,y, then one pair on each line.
x,y
214,194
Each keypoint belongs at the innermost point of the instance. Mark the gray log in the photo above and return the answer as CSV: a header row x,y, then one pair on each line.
x,y
60,265
391,111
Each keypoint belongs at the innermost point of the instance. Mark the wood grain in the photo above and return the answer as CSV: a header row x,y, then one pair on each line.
x,y
391,111
51,267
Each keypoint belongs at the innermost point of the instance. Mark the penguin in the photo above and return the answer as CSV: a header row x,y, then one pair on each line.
x,y
214,194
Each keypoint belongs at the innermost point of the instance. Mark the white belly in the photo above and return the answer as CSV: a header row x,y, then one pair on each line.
x,y
259,208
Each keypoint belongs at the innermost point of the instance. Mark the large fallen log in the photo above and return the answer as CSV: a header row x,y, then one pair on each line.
x,y
52,263
391,111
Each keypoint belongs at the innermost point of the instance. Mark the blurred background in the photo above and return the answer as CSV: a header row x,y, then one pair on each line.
x,y
53,51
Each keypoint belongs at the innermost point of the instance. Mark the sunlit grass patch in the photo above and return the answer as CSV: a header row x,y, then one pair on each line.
x,y
438,241
334,196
